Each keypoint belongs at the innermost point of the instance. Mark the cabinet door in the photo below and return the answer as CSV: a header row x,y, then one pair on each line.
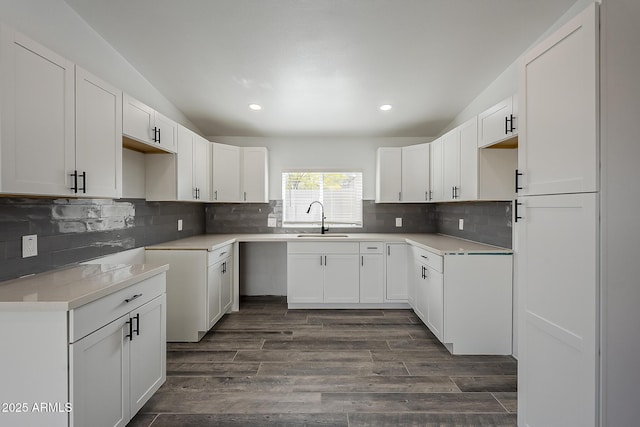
x,y
214,276
185,158
389,175
434,300
451,164
397,272
305,278
148,350
419,291
138,120
468,135
202,168
167,132
225,173
436,169
98,136
558,139
371,278
255,175
558,294
99,377
37,118
415,173
226,285
341,279
495,123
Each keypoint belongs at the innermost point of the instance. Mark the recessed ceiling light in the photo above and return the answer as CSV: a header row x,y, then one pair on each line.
x,y
386,107
255,107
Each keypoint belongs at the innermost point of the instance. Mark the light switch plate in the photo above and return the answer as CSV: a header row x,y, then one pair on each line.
x,y
398,222
29,245
461,224
179,225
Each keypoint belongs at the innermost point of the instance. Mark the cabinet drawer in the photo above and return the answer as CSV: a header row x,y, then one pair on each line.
x,y
220,254
429,258
96,314
371,247
323,248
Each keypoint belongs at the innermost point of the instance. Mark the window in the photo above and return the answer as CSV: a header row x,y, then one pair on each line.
x,y
339,192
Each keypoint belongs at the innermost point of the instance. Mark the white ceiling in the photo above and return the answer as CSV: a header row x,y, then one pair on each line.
x,y
320,67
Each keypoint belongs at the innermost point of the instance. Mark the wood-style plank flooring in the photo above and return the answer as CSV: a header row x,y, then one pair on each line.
x,y
270,366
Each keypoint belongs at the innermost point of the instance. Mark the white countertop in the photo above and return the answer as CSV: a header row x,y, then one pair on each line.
x,y
436,243
71,287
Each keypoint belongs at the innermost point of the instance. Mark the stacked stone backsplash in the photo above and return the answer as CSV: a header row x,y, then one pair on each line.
x,y
487,222
77,230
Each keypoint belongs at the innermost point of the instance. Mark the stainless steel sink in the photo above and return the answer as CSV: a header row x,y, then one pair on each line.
x,y
322,235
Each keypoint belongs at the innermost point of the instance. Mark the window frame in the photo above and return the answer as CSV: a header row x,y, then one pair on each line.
x,y
316,222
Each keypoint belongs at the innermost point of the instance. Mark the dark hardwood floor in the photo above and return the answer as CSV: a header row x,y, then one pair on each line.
x,y
270,366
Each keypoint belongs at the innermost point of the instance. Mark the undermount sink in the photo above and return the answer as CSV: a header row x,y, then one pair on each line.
x,y
322,235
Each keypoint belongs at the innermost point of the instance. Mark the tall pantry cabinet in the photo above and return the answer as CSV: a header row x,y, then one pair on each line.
x,y
557,225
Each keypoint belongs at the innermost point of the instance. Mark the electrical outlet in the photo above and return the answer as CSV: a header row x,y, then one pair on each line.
x,y
179,225
29,245
461,224
398,222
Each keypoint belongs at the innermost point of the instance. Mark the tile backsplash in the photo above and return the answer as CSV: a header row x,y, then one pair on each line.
x,y
486,222
76,230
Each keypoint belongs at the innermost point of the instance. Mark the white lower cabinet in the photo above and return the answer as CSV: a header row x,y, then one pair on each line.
x,y
117,368
428,292
466,300
323,273
371,272
397,272
199,289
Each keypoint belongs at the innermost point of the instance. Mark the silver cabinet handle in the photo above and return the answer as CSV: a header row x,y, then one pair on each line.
x,y
424,256
136,296
399,195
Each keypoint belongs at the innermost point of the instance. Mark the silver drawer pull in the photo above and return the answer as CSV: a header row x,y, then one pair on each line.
x,y
222,253
424,256
136,296
372,247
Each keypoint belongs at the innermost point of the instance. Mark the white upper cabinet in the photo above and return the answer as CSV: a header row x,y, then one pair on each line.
x,y
255,175
226,173
61,126
167,132
37,117
240,174
98,136
202,168
498,123
468,160
436,168
415,173
389,175
402,174
451,164
142,124
194,166
558,138
181,176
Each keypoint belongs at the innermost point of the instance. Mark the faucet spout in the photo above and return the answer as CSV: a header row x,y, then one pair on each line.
x,y
322,227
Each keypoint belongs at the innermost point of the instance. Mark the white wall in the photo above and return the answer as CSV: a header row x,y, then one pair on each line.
x,y
357,154
263,268
620,204
506,84
57,26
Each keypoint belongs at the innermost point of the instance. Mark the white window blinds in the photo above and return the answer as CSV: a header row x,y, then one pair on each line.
x,y
339,192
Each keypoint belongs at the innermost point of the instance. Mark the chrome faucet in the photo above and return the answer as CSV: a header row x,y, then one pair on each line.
x,y
322,229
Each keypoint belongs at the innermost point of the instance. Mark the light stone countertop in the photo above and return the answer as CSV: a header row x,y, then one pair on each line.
x,y
68,288
436,243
